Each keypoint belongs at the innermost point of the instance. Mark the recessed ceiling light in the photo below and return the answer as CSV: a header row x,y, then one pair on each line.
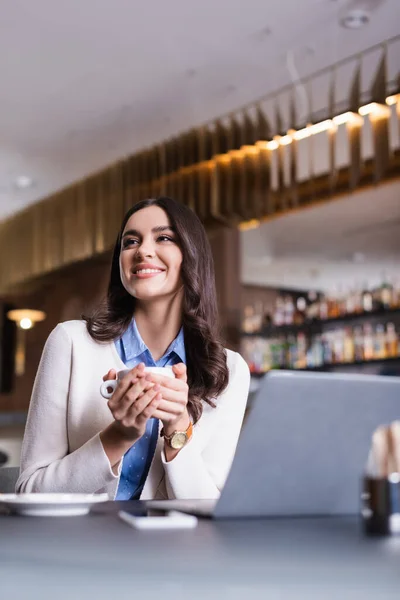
x,y
355,19
358,257
23,181
230,88
314,272
262,34
191,73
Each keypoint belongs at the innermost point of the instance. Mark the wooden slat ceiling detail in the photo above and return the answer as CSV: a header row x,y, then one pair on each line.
x,y
237,169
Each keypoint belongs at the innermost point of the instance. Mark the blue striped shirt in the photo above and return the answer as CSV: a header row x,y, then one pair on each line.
x,y
136,462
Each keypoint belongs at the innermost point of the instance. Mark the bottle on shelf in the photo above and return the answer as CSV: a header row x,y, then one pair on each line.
x,y
258,316
266,357
348,346
258,355
395,295
315,357
247,319
300,311
385,293
380,342
279,314
358,303
341,299
318,351
274,354
368,342
301,362
376,298
326,350
312,310
333,307
291,352
289,310
338,346
358,344
350,303
367,300
392,341
323,308
267,318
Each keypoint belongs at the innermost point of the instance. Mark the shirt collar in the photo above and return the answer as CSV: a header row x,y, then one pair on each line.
x,y
134,345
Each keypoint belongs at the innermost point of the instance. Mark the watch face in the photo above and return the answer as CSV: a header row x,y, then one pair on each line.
x,y
178,440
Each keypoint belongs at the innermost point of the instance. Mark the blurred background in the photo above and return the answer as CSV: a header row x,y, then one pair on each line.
x,y
277,122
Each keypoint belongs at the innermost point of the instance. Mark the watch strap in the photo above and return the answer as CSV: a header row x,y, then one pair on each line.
x,y
188,433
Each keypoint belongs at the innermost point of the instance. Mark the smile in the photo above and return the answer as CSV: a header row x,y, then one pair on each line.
x,y
146,273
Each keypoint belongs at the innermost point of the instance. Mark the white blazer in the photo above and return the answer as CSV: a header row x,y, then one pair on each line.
x,y
62,451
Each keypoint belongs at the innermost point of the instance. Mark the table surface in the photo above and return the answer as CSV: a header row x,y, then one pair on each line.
x,y
98,555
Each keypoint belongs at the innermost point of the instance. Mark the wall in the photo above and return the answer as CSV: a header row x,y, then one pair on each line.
x,y
225,246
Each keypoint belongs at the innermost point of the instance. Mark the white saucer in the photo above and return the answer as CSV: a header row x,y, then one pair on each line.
x,y
51,505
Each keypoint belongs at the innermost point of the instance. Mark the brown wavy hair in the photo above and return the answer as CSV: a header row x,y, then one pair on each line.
x,y
207,369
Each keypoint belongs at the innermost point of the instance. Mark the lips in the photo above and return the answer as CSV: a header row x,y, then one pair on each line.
x,y
143,267
146,270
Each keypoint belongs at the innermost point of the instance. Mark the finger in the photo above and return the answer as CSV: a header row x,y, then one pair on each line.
x,y
124,382
180,371
124,396
120,405
112,374
130,379
165,417
172,408
179,397
138,370
147,413
169,382
140,407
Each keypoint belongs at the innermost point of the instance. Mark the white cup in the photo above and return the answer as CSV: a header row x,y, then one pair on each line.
x,y
108,387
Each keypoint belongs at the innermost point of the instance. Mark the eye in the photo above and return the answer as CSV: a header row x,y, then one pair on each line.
x,y
165,238
129,242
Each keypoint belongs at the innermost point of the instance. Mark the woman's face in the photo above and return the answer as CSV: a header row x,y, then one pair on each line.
x,y
150,258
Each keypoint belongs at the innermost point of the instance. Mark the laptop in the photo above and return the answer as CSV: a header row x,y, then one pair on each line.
x,y
303,447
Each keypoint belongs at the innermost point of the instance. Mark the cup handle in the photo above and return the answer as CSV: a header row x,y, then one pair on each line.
x,y
106,386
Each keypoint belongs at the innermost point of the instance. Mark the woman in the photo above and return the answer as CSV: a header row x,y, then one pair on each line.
x,y
158,437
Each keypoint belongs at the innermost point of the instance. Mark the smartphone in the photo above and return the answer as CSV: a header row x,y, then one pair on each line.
x,y
159,519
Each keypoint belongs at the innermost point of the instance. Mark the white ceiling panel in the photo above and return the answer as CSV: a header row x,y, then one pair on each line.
x,y
85,82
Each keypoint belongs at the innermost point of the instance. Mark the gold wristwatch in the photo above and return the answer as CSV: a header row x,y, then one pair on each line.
x,y
178,439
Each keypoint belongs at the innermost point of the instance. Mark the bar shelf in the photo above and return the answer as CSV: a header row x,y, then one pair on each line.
x,y
328,366
317,325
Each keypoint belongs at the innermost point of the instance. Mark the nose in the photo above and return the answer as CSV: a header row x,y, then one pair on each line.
x,y
146,249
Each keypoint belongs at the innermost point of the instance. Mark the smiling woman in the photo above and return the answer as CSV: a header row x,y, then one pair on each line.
x,y
158,259
168,434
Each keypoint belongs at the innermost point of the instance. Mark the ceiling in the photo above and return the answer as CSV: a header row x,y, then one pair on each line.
x,y
85,82
351,241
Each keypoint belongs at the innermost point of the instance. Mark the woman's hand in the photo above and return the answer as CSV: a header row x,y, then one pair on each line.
x,y
134,402
174,393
